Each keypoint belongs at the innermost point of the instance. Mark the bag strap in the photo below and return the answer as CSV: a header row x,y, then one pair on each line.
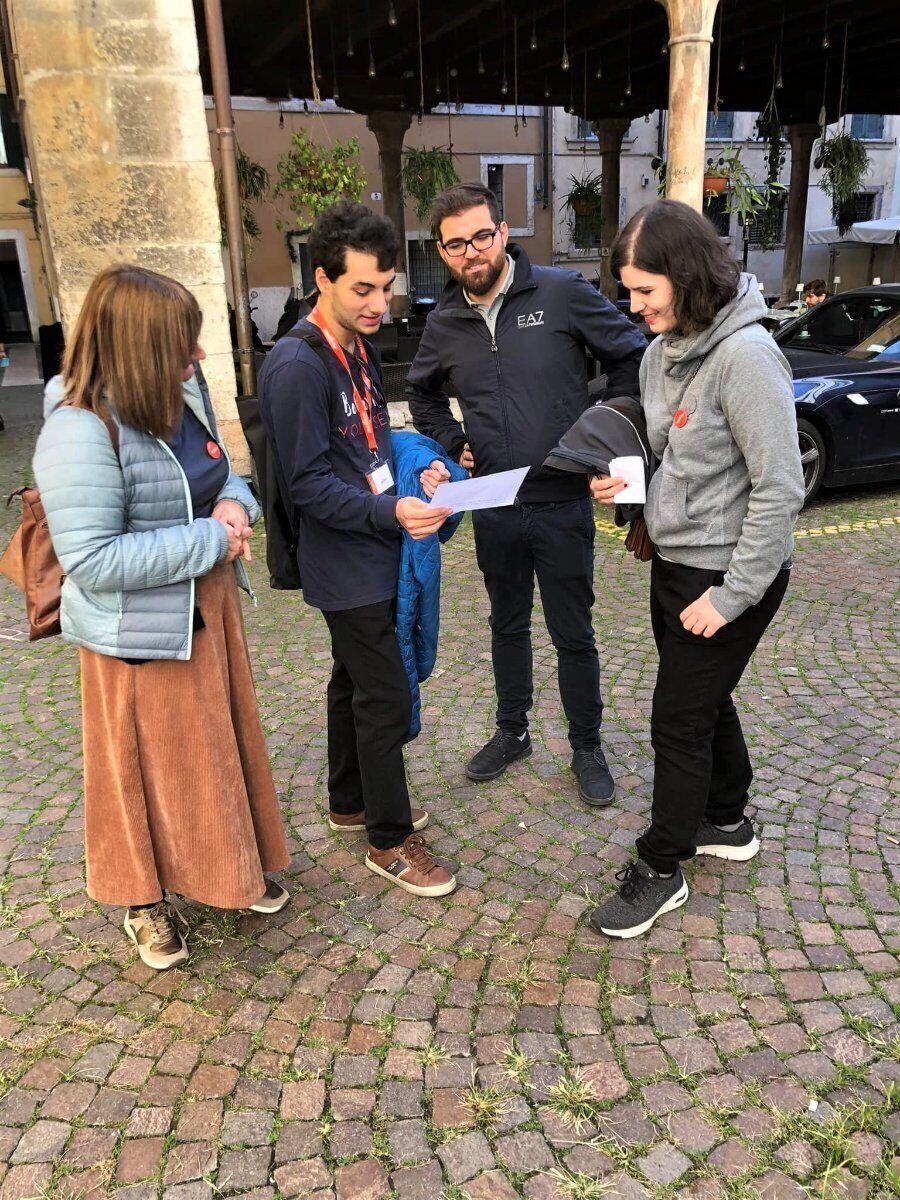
x,y
315,343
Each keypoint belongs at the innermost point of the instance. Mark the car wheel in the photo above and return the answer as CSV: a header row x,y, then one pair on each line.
x,y
812,456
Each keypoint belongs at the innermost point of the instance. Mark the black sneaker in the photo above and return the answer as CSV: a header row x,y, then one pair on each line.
x,y
493,759
740,846
642,898
595,784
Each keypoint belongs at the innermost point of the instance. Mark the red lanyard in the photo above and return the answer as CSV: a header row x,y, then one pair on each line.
x,y
363,405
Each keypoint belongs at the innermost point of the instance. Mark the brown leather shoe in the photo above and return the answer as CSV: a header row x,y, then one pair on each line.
x,y
356,822
412,867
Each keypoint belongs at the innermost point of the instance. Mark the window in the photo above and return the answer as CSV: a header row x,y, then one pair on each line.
x,y
753,226
867,126
865,207
11,152
585,231
715,207
841,325
719,126
427,273
586,130
495,183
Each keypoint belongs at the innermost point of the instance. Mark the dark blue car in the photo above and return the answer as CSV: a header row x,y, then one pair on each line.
x,y
845,357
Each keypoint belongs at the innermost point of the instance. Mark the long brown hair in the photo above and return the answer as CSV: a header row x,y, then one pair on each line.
x,y
132,341
672,239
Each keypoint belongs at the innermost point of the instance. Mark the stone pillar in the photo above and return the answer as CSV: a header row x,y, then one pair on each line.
x,y
690,37
801,138
117,136
389,129
610,131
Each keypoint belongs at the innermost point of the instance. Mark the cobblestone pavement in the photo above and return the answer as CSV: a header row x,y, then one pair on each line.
x,y
364,1044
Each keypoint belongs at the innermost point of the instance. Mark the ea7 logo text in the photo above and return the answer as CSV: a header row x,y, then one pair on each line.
x,y
527,320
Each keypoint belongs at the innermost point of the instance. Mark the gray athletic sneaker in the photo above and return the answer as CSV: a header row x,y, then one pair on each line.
x,y
642,898
739,846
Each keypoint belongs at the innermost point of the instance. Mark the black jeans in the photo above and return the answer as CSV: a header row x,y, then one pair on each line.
x,y
369,710
556,543
702,768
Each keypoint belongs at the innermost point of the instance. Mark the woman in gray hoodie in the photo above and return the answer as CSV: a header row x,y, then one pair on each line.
x,y
720,509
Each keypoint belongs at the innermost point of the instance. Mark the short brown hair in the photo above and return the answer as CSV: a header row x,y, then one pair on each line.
x,y
672,239
459,198
132,341
816,287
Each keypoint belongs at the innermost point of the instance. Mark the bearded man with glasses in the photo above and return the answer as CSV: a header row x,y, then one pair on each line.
x,y
509,341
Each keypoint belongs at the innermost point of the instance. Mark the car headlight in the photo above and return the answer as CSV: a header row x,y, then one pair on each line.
x,y
807,391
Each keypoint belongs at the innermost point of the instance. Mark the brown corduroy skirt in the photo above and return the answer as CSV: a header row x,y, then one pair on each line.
x,y
178,788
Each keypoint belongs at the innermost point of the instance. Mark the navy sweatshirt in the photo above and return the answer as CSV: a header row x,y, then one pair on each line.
x,y
349,541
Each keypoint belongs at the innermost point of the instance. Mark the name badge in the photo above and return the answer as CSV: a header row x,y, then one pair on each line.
x,y
380,479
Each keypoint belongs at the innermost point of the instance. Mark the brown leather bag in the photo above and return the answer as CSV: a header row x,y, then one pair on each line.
x,y
31,563
30,560
638,540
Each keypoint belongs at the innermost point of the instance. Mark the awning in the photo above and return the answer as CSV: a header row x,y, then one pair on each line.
x,y
884,232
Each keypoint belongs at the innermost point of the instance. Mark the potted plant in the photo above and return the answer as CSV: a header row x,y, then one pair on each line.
x,y
424,174
843,161
715,177
253,184
768,219
584,195
311,177
658,166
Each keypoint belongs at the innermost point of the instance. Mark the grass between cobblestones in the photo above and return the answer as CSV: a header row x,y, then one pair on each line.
x,y
363,1044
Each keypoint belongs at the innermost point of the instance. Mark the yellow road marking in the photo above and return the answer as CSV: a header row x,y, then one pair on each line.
x,y
608,529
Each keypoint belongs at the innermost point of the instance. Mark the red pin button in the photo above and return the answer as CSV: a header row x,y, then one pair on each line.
x,y
212,449
680,419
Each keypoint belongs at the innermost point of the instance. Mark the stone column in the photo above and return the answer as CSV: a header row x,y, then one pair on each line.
x,y
610,131
801,138
117,136
690,37
389,129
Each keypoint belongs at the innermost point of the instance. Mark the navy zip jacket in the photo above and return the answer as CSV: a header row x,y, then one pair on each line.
x,y
520,392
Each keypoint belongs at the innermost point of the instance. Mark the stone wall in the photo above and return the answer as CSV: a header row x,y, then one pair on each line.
x,y
117,134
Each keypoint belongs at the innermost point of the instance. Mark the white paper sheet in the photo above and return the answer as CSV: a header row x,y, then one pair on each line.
x,y
487,491
631,469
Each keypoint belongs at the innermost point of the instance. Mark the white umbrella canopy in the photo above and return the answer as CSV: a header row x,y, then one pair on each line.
x,y
883,232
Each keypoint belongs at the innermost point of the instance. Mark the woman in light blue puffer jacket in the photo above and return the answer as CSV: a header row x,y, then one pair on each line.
x,y
147,518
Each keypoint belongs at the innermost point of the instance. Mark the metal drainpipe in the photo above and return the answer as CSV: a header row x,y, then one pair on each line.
x,y
546,156
234,226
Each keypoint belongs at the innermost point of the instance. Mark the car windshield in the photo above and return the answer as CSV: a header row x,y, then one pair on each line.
x,y
860,327
883,343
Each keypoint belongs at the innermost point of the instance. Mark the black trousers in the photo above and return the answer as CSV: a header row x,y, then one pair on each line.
x,y
702,767
554,541
369,710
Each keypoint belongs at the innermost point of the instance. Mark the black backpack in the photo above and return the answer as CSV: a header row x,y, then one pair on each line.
x,y
281,518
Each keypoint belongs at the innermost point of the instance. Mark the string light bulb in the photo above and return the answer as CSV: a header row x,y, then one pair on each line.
x,y
371,62
565,58
392,15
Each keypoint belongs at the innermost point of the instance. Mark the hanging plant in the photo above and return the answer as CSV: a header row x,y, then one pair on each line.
x,y
658,166
253,185
844,162
423,175
768,218
312,177
584,195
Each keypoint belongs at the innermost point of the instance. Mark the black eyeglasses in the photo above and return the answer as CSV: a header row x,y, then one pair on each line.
x,y
482,240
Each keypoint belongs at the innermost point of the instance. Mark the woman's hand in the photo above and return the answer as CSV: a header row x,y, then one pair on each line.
x,y
230,512
430,478
419,519
702,617
467,459
605,487
238,543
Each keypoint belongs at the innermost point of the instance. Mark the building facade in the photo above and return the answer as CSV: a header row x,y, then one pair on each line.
x,y
576,155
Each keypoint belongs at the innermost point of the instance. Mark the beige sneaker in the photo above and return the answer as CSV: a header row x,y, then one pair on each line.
x,y
273,899
412,867
155,932
356,822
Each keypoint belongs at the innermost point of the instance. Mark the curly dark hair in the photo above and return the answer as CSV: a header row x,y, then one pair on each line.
x,y
459,198
351,225
672,239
